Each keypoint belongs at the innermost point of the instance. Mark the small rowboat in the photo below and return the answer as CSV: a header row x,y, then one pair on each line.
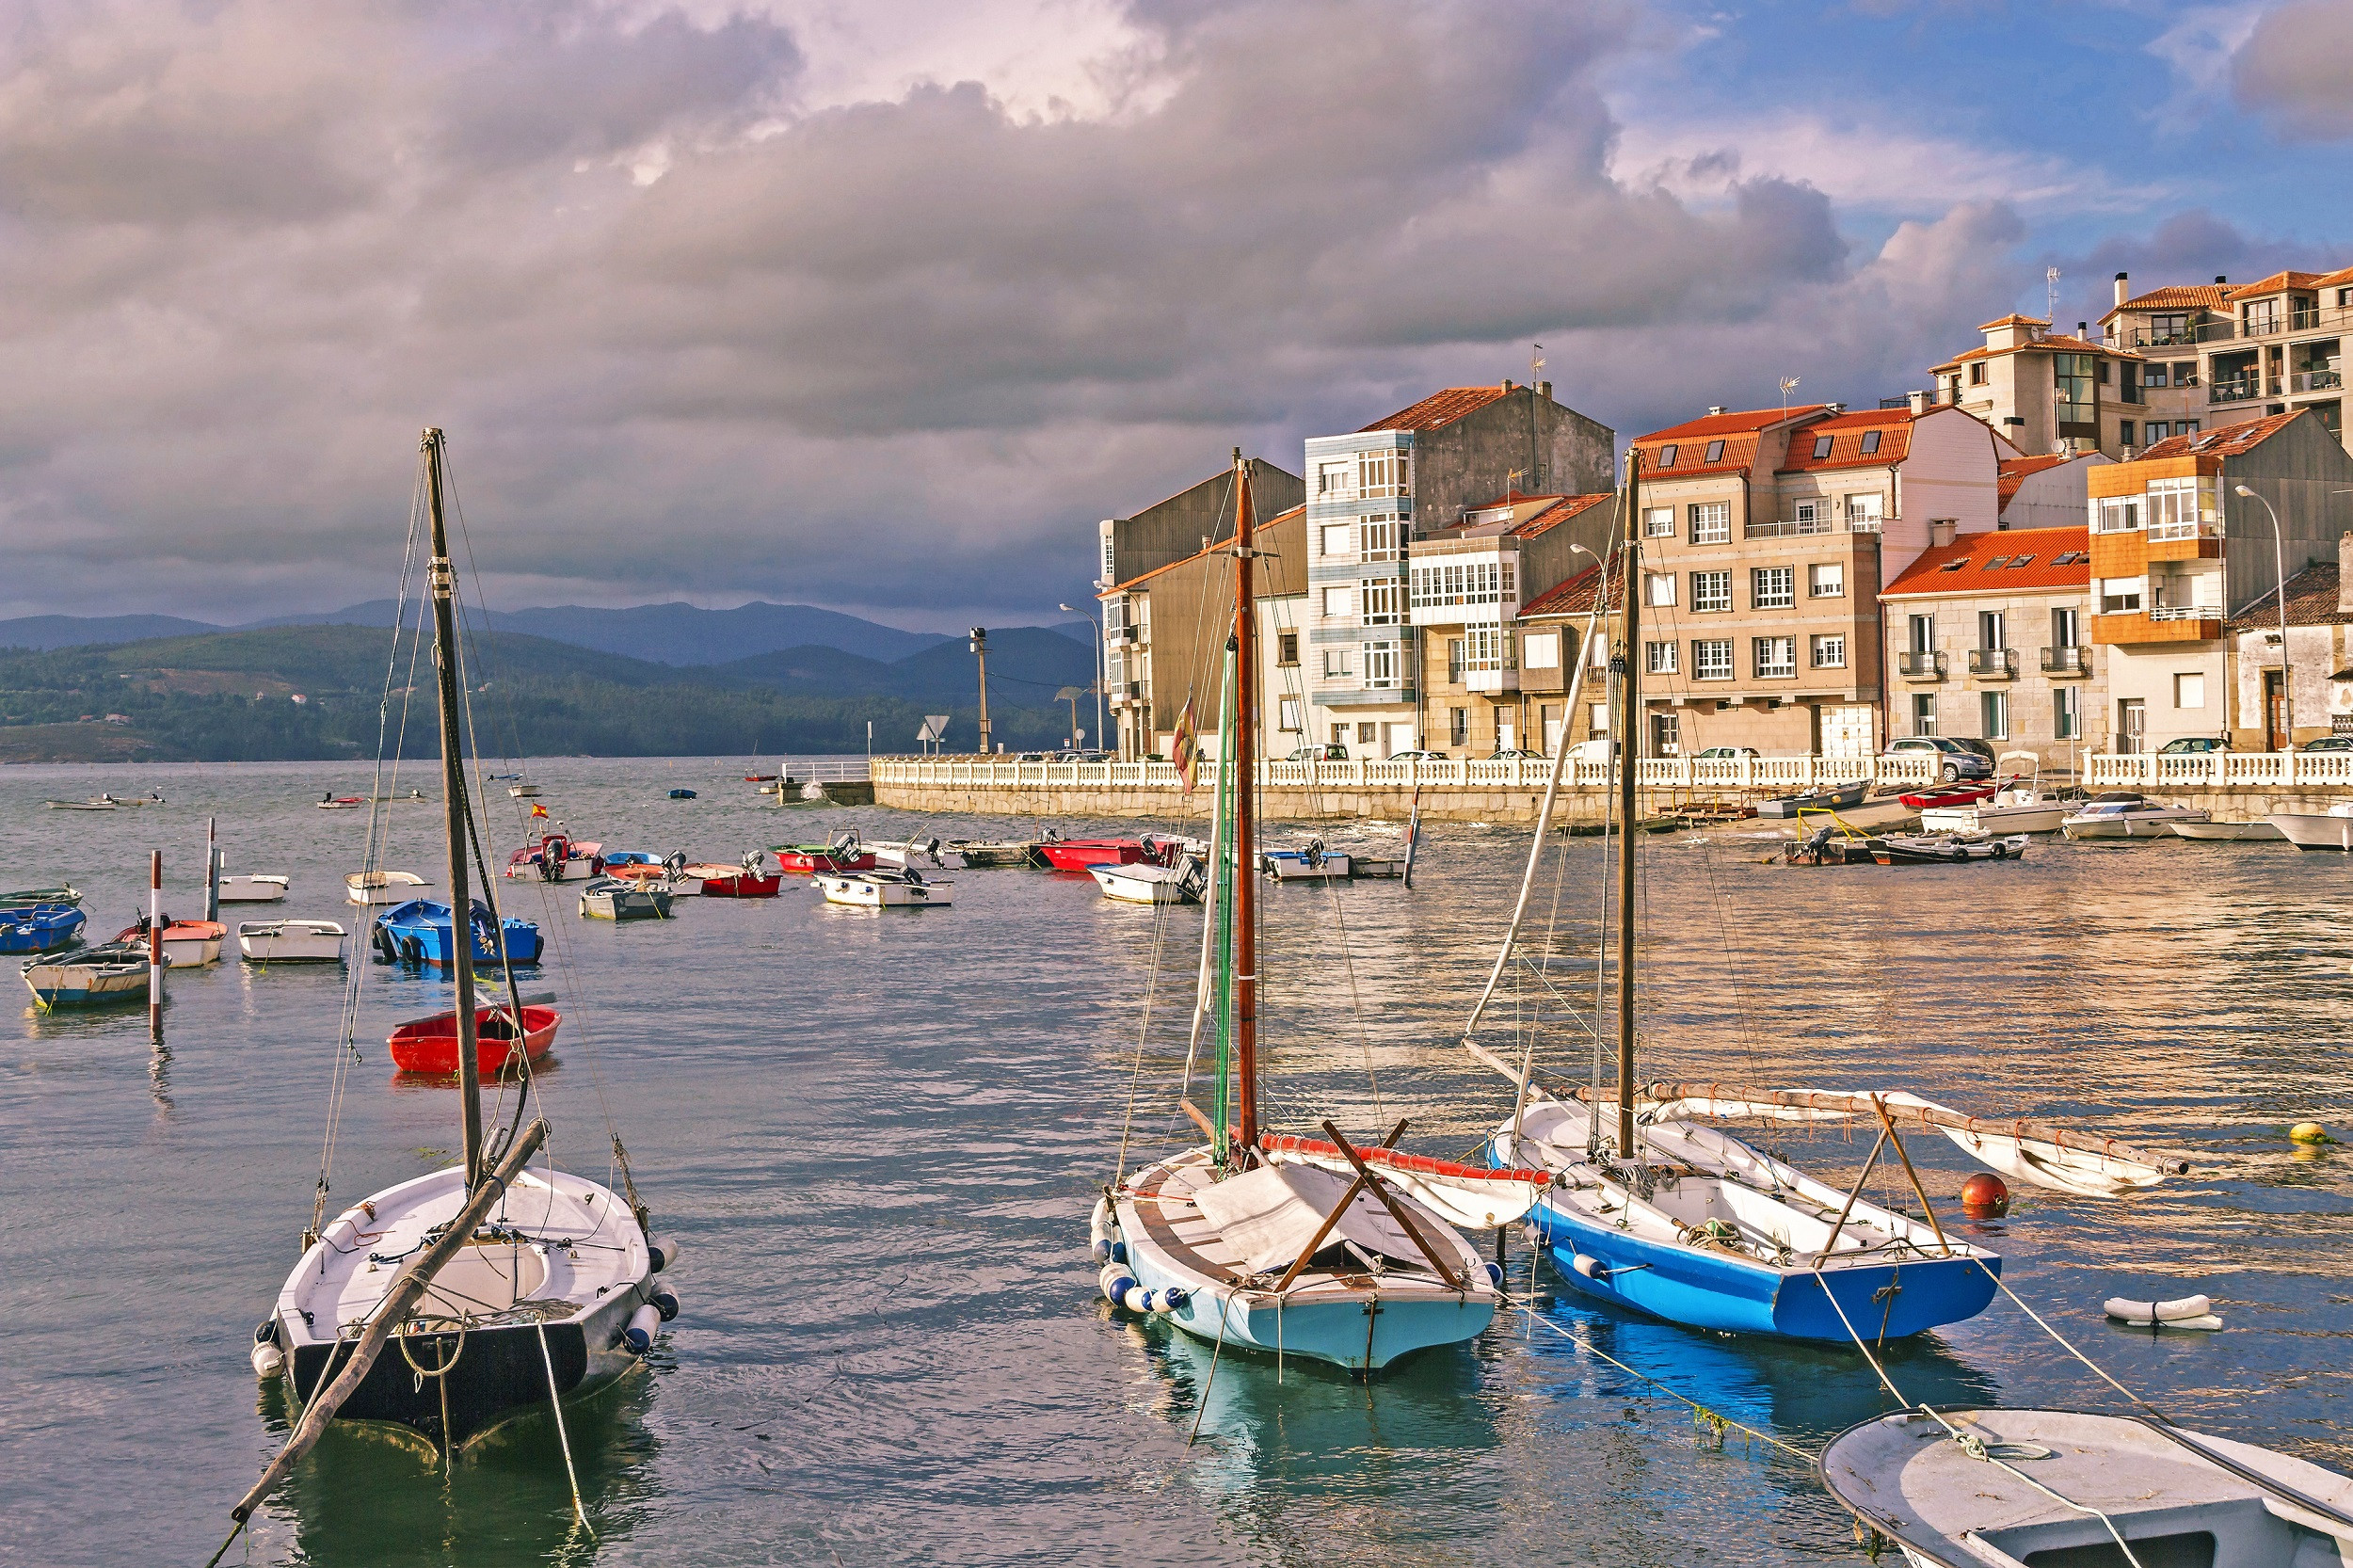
x,y
1946,796
41,927
429,1046
93,976
843,854
382,887
285,941
1924,849
1143,883
902,889
609,898
66,894
341,803
188,944
260,889
556,857
735,881
682,795
1004,851
1085,855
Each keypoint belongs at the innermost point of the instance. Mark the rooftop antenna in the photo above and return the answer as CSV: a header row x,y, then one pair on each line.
x,y
1535,363
2050,294
1788,385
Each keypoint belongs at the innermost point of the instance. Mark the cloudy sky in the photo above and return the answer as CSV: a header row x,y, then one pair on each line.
x,y
879,304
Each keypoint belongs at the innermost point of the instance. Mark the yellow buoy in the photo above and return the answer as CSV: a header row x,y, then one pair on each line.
x,y
2310,1132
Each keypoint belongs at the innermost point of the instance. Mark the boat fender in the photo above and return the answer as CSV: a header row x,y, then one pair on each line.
x,y
664,1252
1495,1274
1100,1230
643,1324
2308,1132
1590,1267
269,1360
2189,1312
664,1300
1115,1282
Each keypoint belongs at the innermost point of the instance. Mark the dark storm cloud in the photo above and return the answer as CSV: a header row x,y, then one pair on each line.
x,y
2296,67
692,337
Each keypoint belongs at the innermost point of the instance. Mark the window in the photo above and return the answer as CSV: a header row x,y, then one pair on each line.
x,y
2177,507
1863,513
1286,651
1658,522
1368,734
1380,666
2152,431
1715,451
1340,604
1288,720
2169,326
1340,734
1458,727
1924,713
1454,661
2072,376
1659,658
1384,601
1380,472
2185,428
1711,521
1977,378
1822,445
1666,735
2121,596
1826,580
2115,514
2128,385
1486,648
1541,650
2066,629
2189,691
1775,656
2067,713
1463,580
1829,650
1772,587
1711,659
1711,590
2153,373
1992,628
2125,432
1339,538
1335,663
1993,715
1658,588
1923,632
2263,315
1381,536
1337,478
1997,563
1666,455
1870,442
1597,720
2019,562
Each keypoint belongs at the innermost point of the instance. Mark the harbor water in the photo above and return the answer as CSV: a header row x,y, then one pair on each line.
x,y
879,1133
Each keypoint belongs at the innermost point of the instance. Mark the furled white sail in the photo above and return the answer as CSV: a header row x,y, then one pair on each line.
x,y
1461,1194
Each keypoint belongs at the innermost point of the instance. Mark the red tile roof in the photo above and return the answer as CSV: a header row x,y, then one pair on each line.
x,y
2227,442
1439,408
2334,279
1845,433
1198,555
2039,547
2312,601
1560,512
2017,470
2278,282
2058,342
1744,422
1741,433
2179,296
1575,597
2012,320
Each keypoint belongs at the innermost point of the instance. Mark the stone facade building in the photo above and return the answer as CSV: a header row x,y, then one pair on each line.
x,y
2215,352
2047,392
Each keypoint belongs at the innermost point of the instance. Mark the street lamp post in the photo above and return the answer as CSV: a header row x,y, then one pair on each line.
x,y
2278,592
979,651
1102,673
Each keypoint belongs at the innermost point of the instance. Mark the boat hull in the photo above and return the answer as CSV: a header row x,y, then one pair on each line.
x,y
1082,855
509,1375
43,928
879,893
252,890
1362,1334
626,902
65,982
808,862
429,1046
1709,1290
277,942
2314,830
411,938
735,884
1143,885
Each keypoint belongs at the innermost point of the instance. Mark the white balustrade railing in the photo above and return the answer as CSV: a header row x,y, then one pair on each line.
x,y
2222,769
1779,774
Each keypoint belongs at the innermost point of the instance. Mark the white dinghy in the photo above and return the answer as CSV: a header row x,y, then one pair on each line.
x,y
281,942
1141,882
918,854
382,887
258,888
901,889
2066,1489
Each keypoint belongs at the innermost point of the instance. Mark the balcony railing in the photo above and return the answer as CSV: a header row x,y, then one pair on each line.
x,y
1920,666
2222,769
2240,389
1792,528
2186,612
1783,774
2075,659
1993,663
2316,381
2198,528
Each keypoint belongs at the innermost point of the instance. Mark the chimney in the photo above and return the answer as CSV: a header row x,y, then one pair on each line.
x,y
2344,574
1544,390
2122,293
1507,386
1919,401
1715,411
2222,276
2083,329
1940,532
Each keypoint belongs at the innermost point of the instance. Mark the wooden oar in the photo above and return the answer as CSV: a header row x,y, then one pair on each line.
x,y
390,1313
1333,1218
1397,1210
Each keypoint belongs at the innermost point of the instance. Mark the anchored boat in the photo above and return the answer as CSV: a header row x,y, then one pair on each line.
x,y
429,1046
285,941
878,889
89,977
418,931
382,887
41,927
611,898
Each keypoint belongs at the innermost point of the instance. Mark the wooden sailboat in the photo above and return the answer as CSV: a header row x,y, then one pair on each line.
x,y
504,1287
1251,1242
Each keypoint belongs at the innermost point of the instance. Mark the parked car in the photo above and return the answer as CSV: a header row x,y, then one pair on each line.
x,y
2328,742
1982,748
1599,750
2195,745
1514,753
1084,756
1954,760
1419,757
1335,752
1037,756
1725,753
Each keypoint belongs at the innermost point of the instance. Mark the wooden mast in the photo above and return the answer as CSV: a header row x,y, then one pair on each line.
x,y
1630,704
443,580
1245,854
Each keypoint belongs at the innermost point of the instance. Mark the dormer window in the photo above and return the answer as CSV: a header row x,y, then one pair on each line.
x,y
1955,566
1821,446
1666,455
1870,442
1715,451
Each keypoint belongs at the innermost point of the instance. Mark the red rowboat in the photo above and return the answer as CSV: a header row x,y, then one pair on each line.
x,y
429,1046
1078,854
735,882
810,859
1948,795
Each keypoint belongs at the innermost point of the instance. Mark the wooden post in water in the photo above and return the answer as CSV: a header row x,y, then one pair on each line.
x,y
155,946
212,869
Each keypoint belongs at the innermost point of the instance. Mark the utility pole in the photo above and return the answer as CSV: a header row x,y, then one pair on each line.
x,y
979,651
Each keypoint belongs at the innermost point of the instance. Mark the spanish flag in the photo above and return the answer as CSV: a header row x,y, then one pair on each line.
x,y
538,811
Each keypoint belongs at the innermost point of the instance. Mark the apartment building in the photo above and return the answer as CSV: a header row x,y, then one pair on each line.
x,y
2048,393
2176,553
2219,353
1466,586
1200,515
1766,537
1552,631
1370,493
1989,635
2047,491
2320,654
1165,629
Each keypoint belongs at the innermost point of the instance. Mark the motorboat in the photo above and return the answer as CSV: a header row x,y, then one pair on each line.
x,y
1312,863
2123,814
428,1047
89,977
682,795
64,893
258,888
1082,855
998,851
1947,796
1144,882
188,944
2329,829
2020,805
1939,848
749,879
843,852
41,927
920,852
557,857
1953,1487
418,932
522,789
2230,832
287,941
331,802
901,889
1830,844
610,898
1837,799
670,875
382,887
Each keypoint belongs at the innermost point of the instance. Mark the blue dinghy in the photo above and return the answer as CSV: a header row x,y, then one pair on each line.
x,y
418,932
41,927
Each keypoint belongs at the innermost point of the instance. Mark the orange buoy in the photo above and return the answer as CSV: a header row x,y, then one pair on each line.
x,y
1985,1194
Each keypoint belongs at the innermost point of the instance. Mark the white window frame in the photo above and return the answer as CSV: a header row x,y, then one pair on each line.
x,y
1826,580
1711,659
1381,602
1711,521
1339,602
1381,667
1711,592
1658,522
1540,651
1828,650
1772,587
1287,719
1659,590
1659,658
1775,657
1337,542
1993,714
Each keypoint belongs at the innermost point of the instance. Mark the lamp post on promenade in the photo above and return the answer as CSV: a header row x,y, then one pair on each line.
x,y
2279,593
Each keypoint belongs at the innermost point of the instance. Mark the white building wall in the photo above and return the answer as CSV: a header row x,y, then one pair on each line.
x,y
1952,469
2153,676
